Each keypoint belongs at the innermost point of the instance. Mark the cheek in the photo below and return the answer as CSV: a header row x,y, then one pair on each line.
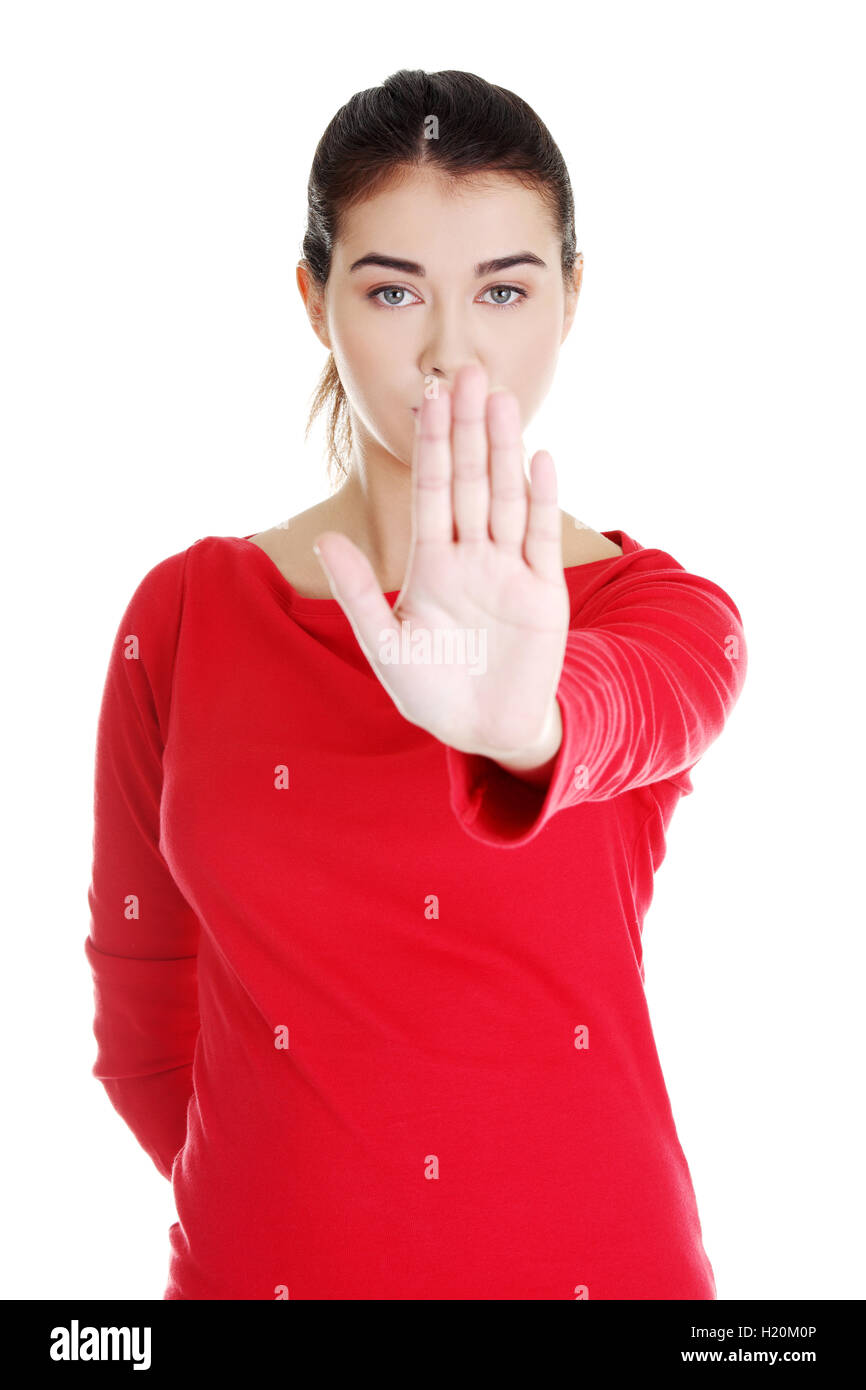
x,y
539,344
364,351
531,365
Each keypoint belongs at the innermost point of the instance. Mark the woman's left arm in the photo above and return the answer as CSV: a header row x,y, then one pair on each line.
x,y
653,666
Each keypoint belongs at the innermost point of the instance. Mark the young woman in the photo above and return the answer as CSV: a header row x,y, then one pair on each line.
x,y
380,792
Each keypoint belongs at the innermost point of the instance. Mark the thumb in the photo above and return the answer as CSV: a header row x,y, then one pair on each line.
x,y
356,589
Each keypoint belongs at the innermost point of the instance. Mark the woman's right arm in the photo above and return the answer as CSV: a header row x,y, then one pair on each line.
x,y
143,940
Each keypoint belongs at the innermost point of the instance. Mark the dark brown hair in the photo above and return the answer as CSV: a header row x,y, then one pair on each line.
x,y
383,131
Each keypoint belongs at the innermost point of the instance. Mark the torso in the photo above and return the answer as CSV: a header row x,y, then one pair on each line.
x,y
291,548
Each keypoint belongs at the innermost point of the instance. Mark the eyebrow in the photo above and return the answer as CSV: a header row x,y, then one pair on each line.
x,y
482,268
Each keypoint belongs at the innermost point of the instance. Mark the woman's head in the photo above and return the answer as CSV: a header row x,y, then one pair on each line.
x,y
447,172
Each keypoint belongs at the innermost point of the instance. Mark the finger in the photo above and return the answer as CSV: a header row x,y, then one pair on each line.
x,y
543,544
508,487
356,588
471,484
432,515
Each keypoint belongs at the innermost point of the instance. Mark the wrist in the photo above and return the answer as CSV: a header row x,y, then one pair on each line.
x,y
535,763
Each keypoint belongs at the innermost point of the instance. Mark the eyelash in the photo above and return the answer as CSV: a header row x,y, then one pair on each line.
x,y
515,303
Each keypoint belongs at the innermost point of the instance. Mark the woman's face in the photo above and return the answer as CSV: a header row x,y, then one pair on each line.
x,y
394,330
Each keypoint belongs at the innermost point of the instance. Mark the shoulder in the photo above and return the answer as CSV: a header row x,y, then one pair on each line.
x,y
581,545
159,591
145,642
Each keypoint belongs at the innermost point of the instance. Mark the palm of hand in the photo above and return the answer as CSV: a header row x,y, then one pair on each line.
x,y
473,647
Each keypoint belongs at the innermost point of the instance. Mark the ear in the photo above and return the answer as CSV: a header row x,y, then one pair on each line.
x,y
572,295
314,301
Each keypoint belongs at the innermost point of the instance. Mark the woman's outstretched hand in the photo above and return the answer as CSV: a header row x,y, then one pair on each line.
x,y
473,648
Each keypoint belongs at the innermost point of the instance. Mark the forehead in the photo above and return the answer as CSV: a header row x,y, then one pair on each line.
x,y
446,221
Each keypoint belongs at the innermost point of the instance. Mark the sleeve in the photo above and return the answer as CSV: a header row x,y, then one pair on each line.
x,y
143,939
655,661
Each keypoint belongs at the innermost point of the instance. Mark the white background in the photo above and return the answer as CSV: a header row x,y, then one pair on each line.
x,y
157,365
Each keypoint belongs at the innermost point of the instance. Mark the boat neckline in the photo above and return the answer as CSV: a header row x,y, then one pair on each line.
x,y
304,603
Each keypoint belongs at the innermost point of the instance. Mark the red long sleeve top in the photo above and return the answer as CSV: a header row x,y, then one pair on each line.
x,y
376,1007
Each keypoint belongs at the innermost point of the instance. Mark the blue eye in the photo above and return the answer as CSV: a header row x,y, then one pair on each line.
x,y
512,289
400,289
388,289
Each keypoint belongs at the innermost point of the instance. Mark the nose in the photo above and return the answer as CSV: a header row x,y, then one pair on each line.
x,y
468,372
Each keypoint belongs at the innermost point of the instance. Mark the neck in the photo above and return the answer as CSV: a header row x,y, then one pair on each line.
x,y
373,507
